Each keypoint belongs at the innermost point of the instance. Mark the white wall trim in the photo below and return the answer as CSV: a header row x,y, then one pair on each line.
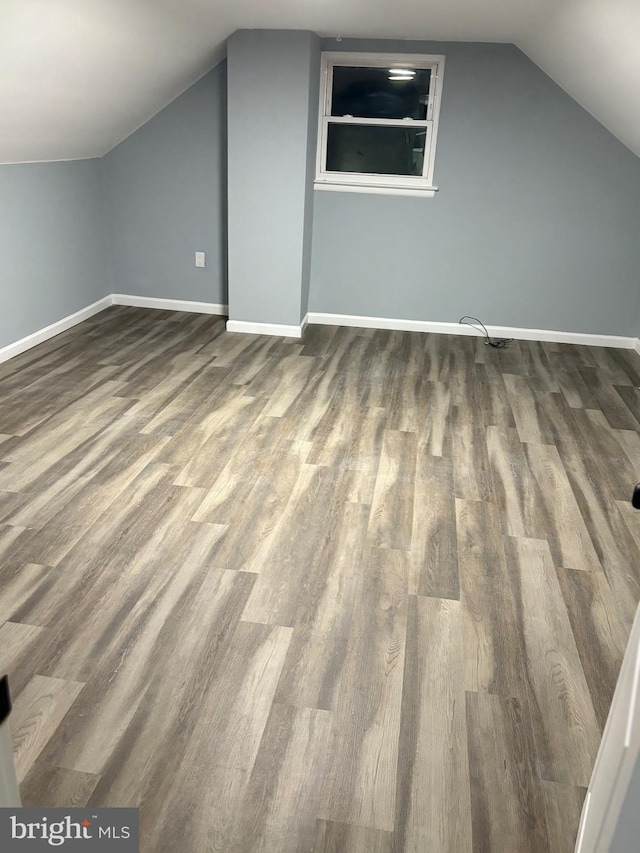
x,y
278,329
426,192
312,318
169,304
315,318
54,329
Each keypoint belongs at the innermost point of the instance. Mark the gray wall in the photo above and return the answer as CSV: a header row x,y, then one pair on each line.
x,y
52,247
273,85
627,834
536,223
165,195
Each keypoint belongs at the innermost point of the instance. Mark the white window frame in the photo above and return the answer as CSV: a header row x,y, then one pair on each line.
x,y
373,183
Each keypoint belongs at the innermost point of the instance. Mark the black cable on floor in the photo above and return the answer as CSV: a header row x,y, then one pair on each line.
x,y
496,343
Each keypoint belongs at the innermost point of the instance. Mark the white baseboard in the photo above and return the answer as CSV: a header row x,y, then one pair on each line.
x,y
54,329
458,329
277,329
169,304
313,318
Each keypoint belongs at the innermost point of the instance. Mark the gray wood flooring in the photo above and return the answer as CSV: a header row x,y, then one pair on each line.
x,y
368,592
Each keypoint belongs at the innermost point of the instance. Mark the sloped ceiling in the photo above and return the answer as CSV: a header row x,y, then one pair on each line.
x,y
591,48
78,76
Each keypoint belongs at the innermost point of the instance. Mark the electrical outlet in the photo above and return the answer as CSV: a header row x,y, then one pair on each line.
x,y
200,259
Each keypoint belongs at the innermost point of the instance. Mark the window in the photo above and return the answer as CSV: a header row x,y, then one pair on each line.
x,y
378,122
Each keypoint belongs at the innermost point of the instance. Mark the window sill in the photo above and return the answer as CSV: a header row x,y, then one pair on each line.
x,y
422,192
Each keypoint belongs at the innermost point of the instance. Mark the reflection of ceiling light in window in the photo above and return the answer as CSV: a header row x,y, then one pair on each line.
x,y
400,77
405,72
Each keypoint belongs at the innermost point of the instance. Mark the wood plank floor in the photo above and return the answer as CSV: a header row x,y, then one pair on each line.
x,y
365,592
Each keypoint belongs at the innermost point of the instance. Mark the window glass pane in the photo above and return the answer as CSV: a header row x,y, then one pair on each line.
x,y
375,149
380,92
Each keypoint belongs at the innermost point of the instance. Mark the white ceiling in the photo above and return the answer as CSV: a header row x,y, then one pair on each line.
x,y
78,76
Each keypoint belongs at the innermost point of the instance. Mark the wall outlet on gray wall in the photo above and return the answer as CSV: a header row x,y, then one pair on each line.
x,y
200,259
